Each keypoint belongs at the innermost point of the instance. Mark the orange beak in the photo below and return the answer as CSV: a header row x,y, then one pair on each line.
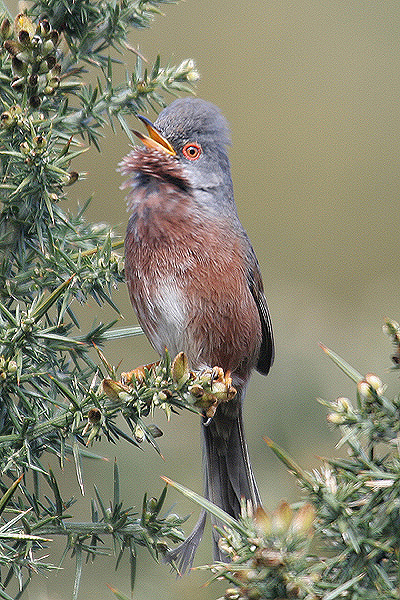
x,y
154,140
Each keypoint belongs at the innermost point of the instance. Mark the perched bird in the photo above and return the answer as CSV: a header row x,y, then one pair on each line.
x,y
195,283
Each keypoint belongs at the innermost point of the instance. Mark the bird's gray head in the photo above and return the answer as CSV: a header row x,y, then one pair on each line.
x,y
197,135
192,119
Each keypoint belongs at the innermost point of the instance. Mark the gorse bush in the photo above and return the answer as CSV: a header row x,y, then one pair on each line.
x,y
52,261
343,542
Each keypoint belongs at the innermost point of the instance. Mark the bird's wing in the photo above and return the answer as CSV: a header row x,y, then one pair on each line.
x,y
267,349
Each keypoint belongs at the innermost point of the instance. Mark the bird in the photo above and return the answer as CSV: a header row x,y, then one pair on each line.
x,y
195,284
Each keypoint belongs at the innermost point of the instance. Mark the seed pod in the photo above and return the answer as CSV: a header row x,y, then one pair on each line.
x,y
6,119
17,83
155,431
73,177
24,38
35,101
94,415
33,80
5,29
24,147
111,388
19,68
12,47
54,36
39,141
47,48
44,27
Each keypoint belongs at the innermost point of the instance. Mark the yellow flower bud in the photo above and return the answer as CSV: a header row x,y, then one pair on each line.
x,y
343,404
263,521
303,519
231,594
375,383
180,368
23,23
12,366
335,418
112,389
282,517
139,434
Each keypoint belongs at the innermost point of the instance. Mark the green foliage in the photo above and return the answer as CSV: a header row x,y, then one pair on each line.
x,y
51,261
353,503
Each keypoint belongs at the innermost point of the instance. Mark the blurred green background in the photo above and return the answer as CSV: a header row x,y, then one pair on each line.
x,y
311,90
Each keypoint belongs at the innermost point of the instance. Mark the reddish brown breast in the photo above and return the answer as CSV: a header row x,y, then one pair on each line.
x,y
187,279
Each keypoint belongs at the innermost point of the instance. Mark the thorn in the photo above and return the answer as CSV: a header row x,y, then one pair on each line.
x,y
135,51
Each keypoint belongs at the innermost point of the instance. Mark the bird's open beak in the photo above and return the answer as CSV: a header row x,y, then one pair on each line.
x,y
154,140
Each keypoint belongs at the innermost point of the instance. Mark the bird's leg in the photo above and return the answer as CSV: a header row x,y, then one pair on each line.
x,y
215,375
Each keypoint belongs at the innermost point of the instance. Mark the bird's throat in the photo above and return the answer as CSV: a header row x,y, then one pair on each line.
x,y
145,164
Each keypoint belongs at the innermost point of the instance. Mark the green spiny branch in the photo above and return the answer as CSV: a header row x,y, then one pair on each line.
x,y
52,260
32,529
351,505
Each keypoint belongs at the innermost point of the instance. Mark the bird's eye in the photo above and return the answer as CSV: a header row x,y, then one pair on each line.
x,y
192,150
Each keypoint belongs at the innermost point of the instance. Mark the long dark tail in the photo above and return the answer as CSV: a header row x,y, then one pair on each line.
x,y
228,477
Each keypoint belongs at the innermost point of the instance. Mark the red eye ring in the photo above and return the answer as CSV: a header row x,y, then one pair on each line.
x,y
191,150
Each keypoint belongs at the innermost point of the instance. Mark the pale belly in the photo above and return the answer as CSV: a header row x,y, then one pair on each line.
x,y
164,317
